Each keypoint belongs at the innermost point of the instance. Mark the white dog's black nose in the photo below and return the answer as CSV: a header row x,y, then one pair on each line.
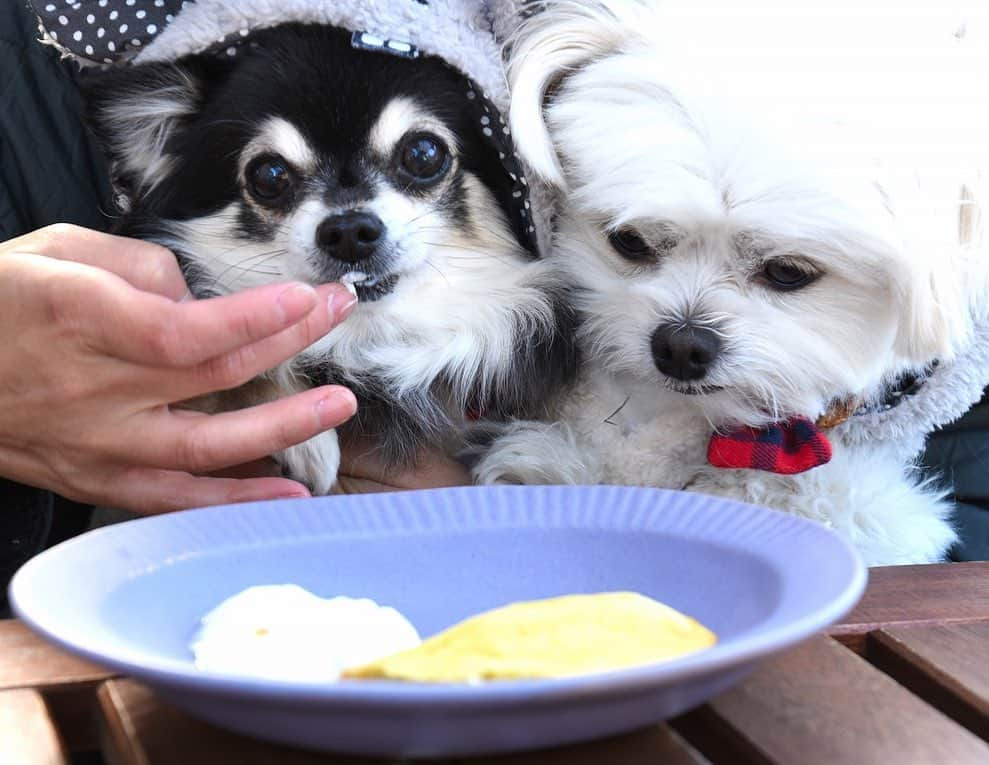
x,y
684,351
350,237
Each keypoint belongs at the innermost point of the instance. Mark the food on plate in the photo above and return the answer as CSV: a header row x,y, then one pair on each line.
x,y
558,637
284,632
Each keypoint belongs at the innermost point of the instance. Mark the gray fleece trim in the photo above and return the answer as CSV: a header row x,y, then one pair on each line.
x,y
949,392
458,31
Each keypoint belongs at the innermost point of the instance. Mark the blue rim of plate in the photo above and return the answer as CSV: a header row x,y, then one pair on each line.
x,y
384,693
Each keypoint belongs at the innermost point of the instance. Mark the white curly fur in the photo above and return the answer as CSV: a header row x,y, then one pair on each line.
x,y
677,123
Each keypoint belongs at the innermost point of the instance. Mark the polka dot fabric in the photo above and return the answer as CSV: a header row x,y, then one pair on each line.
x,y
104,32
496,132
101,31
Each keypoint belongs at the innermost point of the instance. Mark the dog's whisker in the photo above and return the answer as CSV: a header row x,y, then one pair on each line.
x,y
466,258
443,276
238,123
246,266
497,236
419,218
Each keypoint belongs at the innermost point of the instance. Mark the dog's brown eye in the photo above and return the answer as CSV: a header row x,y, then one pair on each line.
x,y
423,158
629,244
269,180
784,276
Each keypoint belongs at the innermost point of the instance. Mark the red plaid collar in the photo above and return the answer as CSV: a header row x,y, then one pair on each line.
x,y
798,445
790,447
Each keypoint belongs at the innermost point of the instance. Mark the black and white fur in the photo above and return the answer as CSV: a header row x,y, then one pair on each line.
x,y
734,269
291,161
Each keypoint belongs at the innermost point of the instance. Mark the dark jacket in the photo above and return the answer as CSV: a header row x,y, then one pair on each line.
x,y
960,453
49,172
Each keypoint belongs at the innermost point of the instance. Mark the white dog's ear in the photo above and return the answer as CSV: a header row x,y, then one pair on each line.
x,y
925,331
935,315
938,293
556,38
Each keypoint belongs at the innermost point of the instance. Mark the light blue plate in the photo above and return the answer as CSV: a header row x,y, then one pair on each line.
x,y
130,597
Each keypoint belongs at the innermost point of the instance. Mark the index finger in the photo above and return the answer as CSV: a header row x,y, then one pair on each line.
x,y
144,265
151,330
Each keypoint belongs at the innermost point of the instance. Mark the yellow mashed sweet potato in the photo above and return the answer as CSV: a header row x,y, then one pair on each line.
x,y
558,637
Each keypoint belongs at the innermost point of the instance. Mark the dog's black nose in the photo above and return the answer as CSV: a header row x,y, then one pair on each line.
x,y
351,237
684,351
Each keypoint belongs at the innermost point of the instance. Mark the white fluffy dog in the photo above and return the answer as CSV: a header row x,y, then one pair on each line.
x,y
734,269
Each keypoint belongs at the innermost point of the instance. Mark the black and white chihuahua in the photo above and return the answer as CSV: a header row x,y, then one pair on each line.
x,y
303,157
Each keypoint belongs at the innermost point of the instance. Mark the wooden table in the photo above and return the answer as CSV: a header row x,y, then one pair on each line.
x,y
904,679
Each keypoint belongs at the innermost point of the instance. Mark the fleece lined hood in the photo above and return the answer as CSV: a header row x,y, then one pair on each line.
x,y
461,32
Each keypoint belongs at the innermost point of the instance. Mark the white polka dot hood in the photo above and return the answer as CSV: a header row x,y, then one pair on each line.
x,y
462,32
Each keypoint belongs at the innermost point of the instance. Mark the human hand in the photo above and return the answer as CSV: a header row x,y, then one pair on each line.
x,y
98,340
363,472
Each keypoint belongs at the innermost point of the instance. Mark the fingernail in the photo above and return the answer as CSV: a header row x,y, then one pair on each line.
x,y
300,494
296,301
340,303
328,408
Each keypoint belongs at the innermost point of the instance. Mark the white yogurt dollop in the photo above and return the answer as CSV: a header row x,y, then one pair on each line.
x,y
350,280
284,632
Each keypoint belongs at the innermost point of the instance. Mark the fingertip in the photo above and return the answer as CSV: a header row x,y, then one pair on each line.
x,y
337,405
340,302
295,301
350,398
262,489
300,493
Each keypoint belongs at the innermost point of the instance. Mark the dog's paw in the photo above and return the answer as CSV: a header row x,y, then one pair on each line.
x,y
314,463
533,453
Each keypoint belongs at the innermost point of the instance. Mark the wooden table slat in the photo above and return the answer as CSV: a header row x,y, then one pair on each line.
x,y
821,704
946,666
27,661
656,745
140,730
915,596
73,711
29,735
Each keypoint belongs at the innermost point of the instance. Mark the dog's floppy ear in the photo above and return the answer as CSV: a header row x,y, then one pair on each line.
x,y
136,111
931,319
941,285
555,39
